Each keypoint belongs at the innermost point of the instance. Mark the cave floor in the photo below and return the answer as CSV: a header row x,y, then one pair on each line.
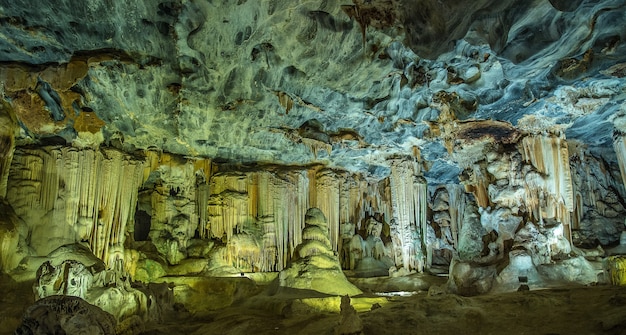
x,y
565,310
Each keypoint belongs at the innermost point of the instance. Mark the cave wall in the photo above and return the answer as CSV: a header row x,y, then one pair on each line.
x,y
191,137
250,219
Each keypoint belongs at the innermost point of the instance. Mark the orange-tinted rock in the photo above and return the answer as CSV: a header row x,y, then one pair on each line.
x,y
64,76
88,122
30,110
17,78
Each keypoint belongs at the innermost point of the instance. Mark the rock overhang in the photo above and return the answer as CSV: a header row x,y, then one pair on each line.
x,y
235,82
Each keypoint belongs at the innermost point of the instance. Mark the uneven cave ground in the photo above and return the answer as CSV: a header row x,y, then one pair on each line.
x,y
568,309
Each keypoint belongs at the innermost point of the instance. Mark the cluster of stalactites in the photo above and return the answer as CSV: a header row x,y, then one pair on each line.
x,y
260,215
281,201
175,196
409,202
271,204
448,208
8,125
92,191
549,191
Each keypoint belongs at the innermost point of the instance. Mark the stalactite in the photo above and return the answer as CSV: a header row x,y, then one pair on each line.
x,y
91,194
8,126
316,146
229,203
408,198
598,191
549,190
354,205
328,201
457,201
274,202
121,178
377,199
478,185
202,199
283,197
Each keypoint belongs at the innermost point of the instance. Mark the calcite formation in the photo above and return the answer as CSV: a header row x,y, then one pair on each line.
x,y
315,267
84,195
106,289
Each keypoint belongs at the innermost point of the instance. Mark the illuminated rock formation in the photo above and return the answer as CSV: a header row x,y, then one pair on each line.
x,y
315,267
173,201
67,195
408,226
370,257
549,189
448,205
109,290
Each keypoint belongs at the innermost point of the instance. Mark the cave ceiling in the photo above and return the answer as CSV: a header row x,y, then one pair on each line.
x,y
345,84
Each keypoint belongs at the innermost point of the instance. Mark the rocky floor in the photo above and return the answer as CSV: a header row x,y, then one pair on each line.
x,y
572,310
566,310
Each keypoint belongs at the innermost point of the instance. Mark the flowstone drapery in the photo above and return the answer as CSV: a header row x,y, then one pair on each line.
x,y
408,226
68,195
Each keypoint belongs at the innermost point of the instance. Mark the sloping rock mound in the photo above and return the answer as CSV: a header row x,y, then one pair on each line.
x,y
65,315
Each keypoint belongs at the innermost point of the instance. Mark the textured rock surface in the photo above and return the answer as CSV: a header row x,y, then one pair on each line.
x,y
237,80
66,315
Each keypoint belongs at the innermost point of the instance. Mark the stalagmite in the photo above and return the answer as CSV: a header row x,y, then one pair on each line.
x,y
315,266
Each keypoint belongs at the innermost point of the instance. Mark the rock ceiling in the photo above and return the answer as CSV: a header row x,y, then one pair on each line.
x,y
344,84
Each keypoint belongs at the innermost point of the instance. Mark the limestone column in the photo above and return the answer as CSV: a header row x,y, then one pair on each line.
x,y
8,125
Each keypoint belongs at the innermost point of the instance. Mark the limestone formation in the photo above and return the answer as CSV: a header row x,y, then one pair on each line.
x,y
316,266
370,257
67,195
350,322
106,289
66,315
